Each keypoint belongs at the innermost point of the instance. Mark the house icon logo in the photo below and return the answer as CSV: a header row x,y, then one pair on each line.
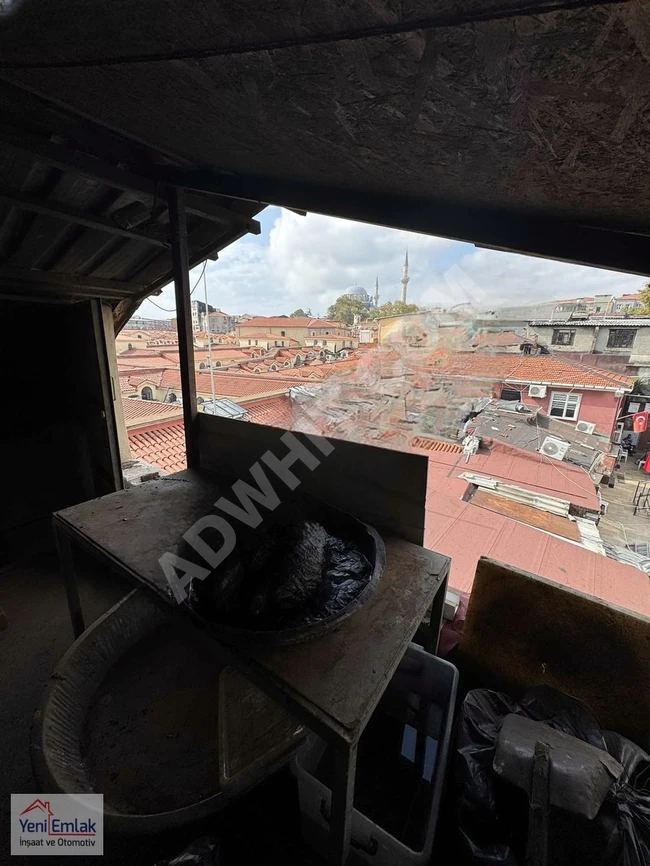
x,y
57,824
44,806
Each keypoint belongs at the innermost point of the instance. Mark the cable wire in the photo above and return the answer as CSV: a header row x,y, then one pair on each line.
x,y
164,309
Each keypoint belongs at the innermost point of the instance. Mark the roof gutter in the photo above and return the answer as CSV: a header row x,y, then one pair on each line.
x,y
569,385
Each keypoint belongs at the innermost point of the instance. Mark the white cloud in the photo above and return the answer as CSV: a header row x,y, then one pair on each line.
x,y
309,261
492,278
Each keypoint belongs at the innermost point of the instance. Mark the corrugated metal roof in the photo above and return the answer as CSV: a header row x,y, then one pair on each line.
x,y
223,408
534,472
567,324
518,494
465,532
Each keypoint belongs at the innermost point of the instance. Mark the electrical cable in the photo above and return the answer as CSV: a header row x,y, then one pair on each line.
x,y
164,309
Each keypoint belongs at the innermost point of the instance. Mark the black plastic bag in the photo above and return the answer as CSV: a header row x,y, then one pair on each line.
x,y
493,815
202,852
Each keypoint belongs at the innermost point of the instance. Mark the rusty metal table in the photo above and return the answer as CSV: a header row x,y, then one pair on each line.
x,y
331,683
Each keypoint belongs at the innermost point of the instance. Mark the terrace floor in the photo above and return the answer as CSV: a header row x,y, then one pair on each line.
x,y
620,525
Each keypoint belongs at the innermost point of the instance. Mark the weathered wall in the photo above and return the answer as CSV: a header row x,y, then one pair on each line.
x,y
583,342
597,407
640,353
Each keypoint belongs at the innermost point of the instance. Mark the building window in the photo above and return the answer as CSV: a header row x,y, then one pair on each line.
x,y
249,342
283,334
147,393
283,340
324,342
256,342
564,406
172,398
315,342
201,366
621,338
563,338
313,333
130,345
510,394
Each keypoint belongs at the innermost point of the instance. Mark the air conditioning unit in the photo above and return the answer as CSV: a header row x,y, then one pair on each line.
x,y
537,390
554,448
585,427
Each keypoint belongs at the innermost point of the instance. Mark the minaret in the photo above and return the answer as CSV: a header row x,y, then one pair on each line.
x,y
405,276
377,291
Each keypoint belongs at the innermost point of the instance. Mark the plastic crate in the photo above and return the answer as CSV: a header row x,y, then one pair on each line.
x,y
421,696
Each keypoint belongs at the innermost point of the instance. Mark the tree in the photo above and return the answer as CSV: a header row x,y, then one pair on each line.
x,y
298,314
345,308
393,308
644,297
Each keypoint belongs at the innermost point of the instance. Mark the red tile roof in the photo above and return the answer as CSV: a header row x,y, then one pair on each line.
x,y
276,412
281,321
163,445
226,384
138,412
492,340
545,369
268,337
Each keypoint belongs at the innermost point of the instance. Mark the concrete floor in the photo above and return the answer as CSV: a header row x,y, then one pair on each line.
x,y
37,634
620,525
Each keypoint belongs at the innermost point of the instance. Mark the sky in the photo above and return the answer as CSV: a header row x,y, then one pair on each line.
x,y
308,261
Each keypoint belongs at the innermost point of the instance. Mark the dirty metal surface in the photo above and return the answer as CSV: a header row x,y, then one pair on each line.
x,y
527,514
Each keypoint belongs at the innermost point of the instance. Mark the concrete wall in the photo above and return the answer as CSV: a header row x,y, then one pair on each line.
x,y
583,342
640,353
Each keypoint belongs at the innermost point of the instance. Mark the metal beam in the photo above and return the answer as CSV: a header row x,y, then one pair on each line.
x,y
60,211
67,284
180,261
622,248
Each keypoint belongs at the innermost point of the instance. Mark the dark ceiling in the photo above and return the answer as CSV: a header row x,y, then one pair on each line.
x,y
516,124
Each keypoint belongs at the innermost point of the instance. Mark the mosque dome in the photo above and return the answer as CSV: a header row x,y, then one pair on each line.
x,y
356,292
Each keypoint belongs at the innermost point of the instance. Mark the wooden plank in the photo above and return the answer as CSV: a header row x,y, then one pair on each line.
x,y
523,631
70,283
383,487
527,514
180,262
337,678
70,215
210,210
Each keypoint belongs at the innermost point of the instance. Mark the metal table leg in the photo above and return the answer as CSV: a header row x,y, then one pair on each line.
x,y
345,770
70,580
